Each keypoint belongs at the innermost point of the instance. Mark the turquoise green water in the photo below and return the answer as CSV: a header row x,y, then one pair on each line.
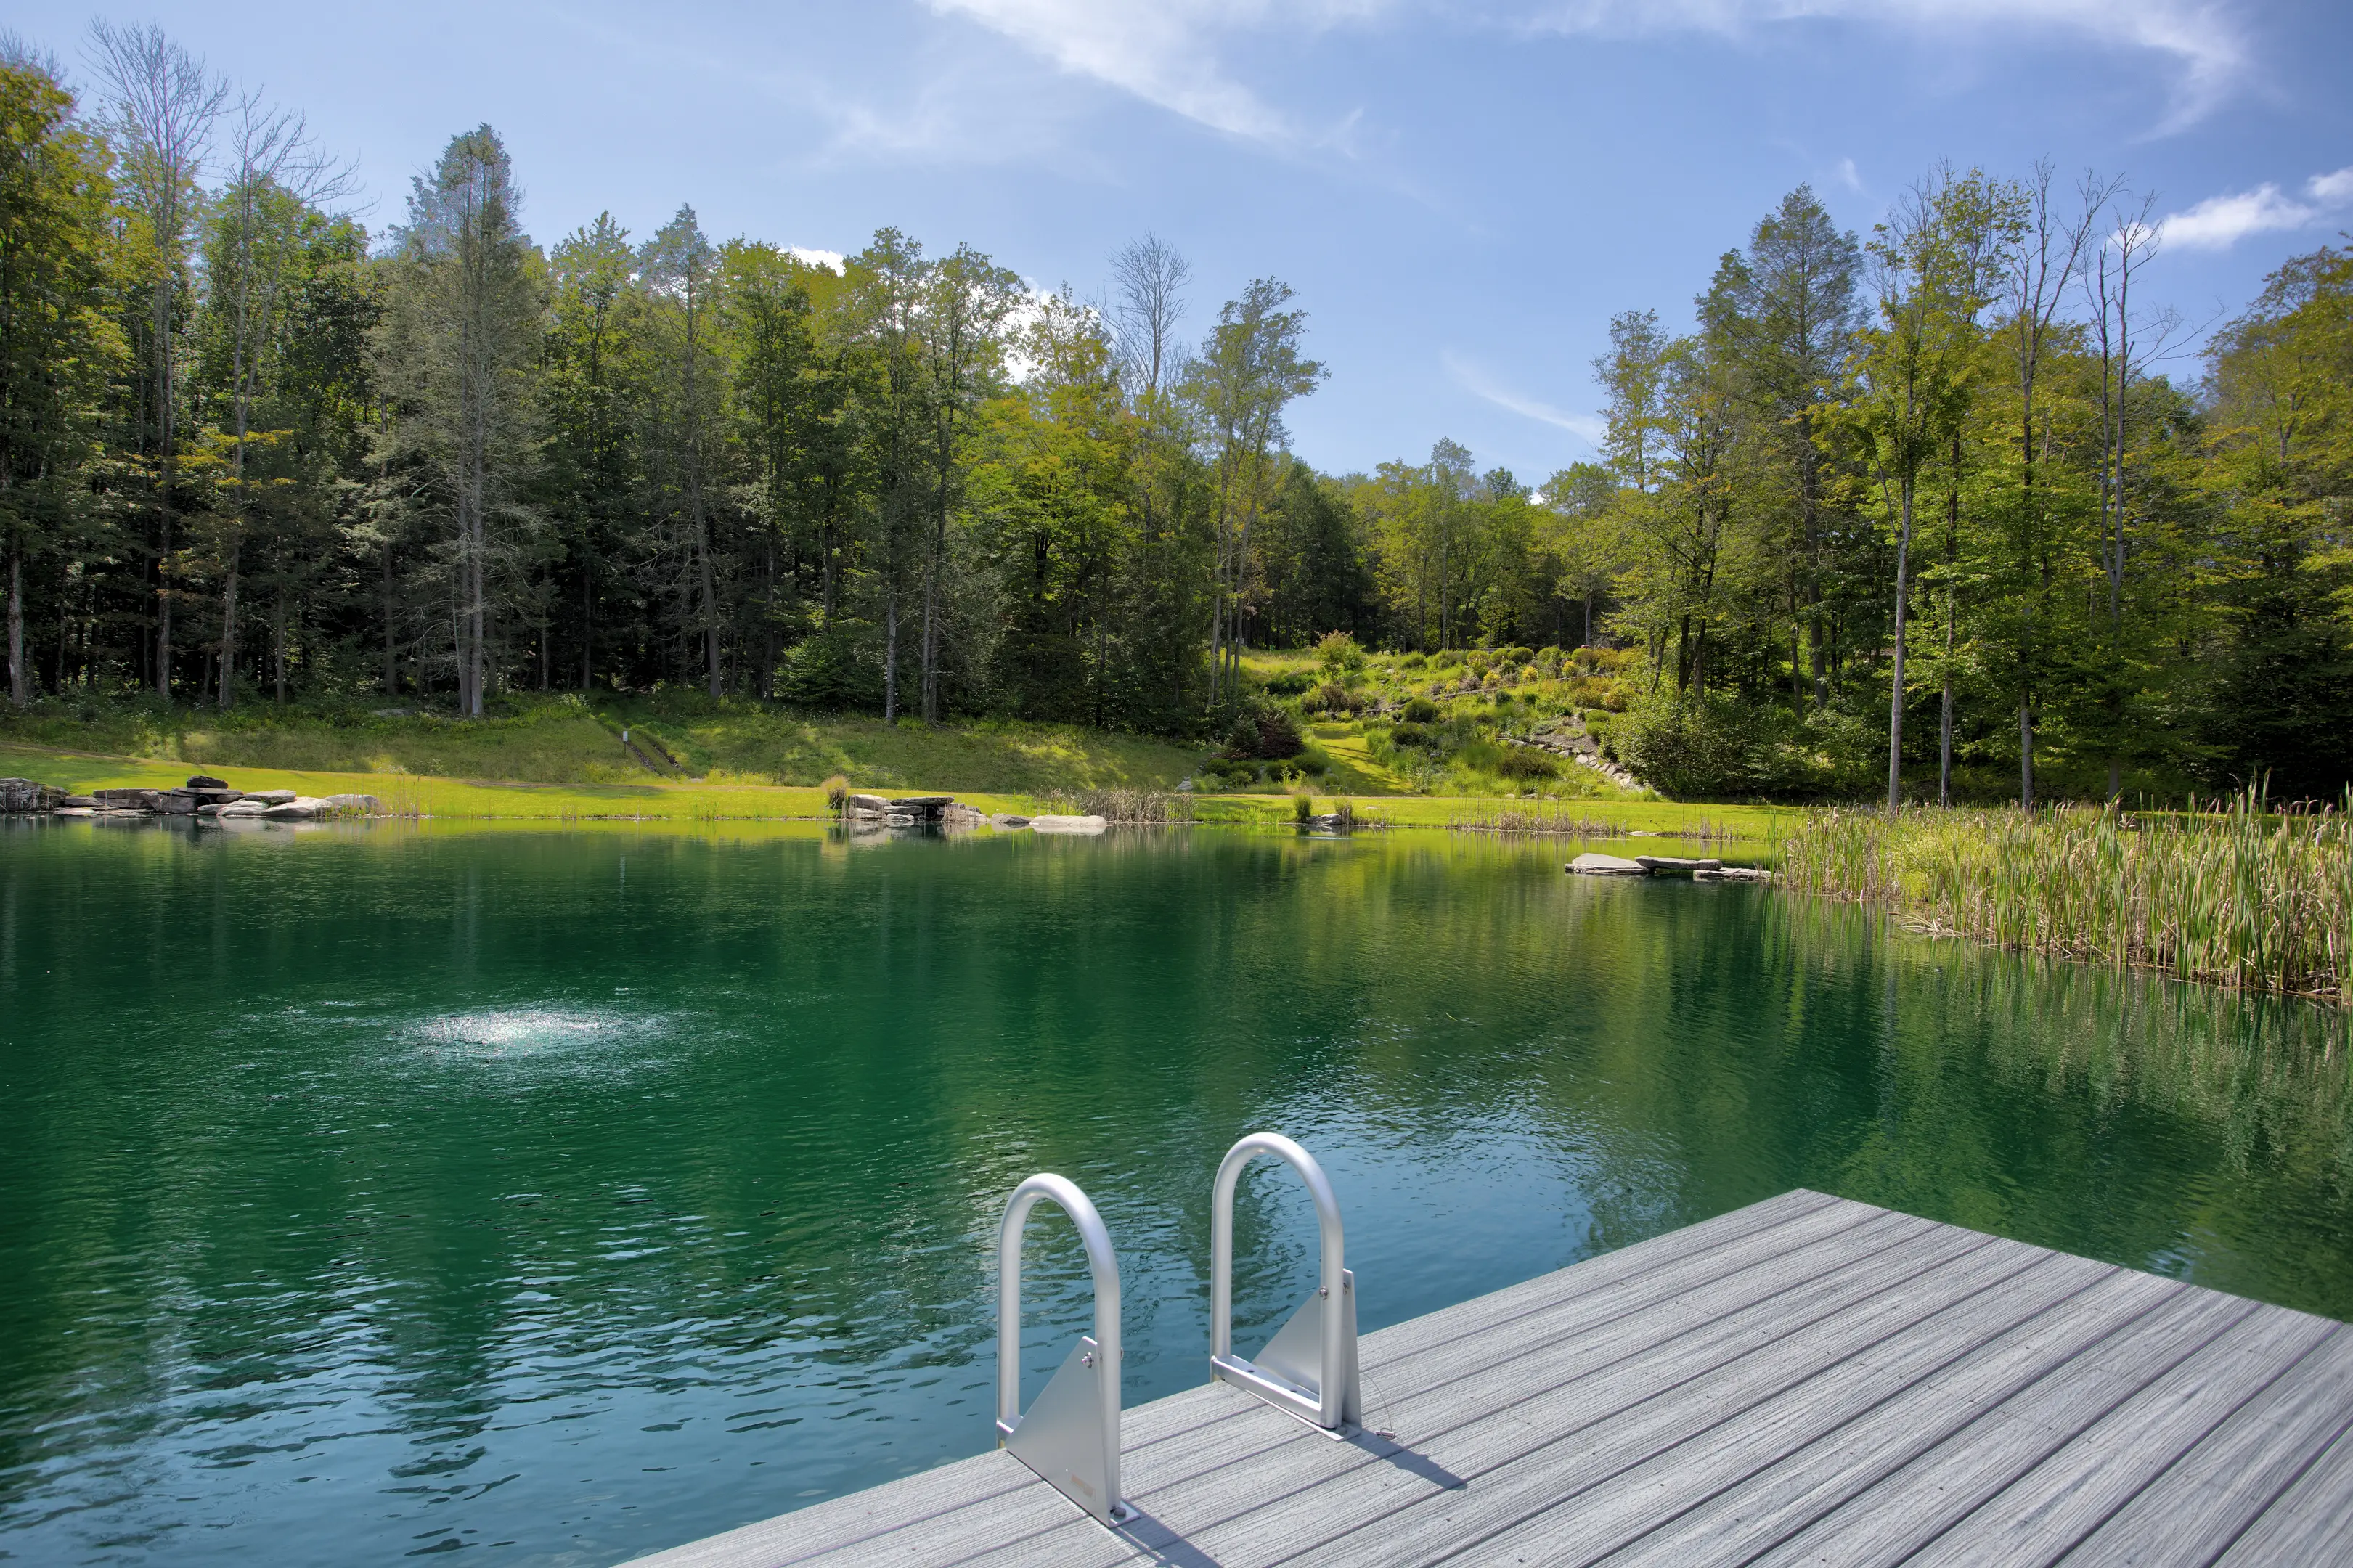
x,y
559,1198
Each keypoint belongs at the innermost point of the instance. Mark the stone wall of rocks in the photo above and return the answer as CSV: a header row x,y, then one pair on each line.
x,y
874,814
203,797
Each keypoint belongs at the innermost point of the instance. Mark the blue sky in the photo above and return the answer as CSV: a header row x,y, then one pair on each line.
x,y
1461,194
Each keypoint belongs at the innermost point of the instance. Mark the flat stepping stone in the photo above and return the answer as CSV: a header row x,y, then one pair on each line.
x,y
1607,865
1676,863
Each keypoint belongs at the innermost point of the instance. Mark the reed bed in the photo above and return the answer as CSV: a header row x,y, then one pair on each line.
x,y
1558,819
1130,807
2234,894
1548,817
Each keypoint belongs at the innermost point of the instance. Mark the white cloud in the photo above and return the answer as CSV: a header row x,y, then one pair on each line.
x,y
1849,175
2332,189
2219,223
832,260
1587,428
1162,51
2201,37
1169,52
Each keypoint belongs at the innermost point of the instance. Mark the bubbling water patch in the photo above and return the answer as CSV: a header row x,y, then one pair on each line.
x,y
537,1035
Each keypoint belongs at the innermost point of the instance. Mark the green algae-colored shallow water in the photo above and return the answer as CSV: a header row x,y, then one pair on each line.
x,y
560,1197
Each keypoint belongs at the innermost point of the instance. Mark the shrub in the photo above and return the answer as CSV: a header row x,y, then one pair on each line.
x,y
1447,659
836,791
828,671
1415,660
1421,710
1291,683
1334,697
1409,734
1262,731
1338,653
1302,807
1526,762
1703,746
1229,773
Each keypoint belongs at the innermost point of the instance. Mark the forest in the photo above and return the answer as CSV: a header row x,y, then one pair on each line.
x,y
1941,511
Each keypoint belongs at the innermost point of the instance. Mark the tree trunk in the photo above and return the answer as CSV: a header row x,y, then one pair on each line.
x,y
1814,642
1945,744
228,632
163,485
890,658
391,670
709,608
2025,753
19,687
1896,693
931,636
587,617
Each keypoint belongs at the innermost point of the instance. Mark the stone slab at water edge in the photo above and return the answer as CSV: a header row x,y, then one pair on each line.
x,y
1591,865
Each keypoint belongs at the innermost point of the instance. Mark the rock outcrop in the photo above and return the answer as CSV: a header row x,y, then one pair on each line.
x,y
23,796
205,797
1607,866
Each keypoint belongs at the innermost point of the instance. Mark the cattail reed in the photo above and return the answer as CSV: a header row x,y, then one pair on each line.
x,y
2232,893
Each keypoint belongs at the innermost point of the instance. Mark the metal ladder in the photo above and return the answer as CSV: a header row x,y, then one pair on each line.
x,y
1309,1368
1070,1434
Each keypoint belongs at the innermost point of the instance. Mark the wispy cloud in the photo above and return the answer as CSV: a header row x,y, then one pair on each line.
x,y
1586,427
2202,38
2219,223
1173,53
1165,52
832,260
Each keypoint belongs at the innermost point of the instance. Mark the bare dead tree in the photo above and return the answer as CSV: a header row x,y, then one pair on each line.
x,y
2047,255
165,104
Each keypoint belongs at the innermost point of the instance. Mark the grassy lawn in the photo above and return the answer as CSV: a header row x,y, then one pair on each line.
x,y
727,799
560,759
564,742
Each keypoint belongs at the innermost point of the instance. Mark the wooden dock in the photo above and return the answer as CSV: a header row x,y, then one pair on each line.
x,y
1808,1380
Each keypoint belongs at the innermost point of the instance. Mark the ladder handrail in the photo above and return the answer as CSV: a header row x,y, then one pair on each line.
x,y
1332,1390
1102,1265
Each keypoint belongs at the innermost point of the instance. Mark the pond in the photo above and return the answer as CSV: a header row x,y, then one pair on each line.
x,y
368,1193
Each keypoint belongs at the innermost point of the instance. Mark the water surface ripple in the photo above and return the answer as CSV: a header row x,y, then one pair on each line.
x,y
371,1195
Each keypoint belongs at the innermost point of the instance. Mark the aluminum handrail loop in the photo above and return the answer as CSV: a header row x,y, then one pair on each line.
x,y
1102,1267
1336,1396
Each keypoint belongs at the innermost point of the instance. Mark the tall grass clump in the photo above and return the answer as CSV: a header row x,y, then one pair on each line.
x,y
2234,894
1134,808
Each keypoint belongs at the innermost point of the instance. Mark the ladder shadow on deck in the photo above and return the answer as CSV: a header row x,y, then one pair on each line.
x,y
1391,1451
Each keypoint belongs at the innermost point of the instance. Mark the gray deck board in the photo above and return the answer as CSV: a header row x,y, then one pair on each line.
x,y
1627,1281
1806,1380
1812,1479
1513,1407
2224,1484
